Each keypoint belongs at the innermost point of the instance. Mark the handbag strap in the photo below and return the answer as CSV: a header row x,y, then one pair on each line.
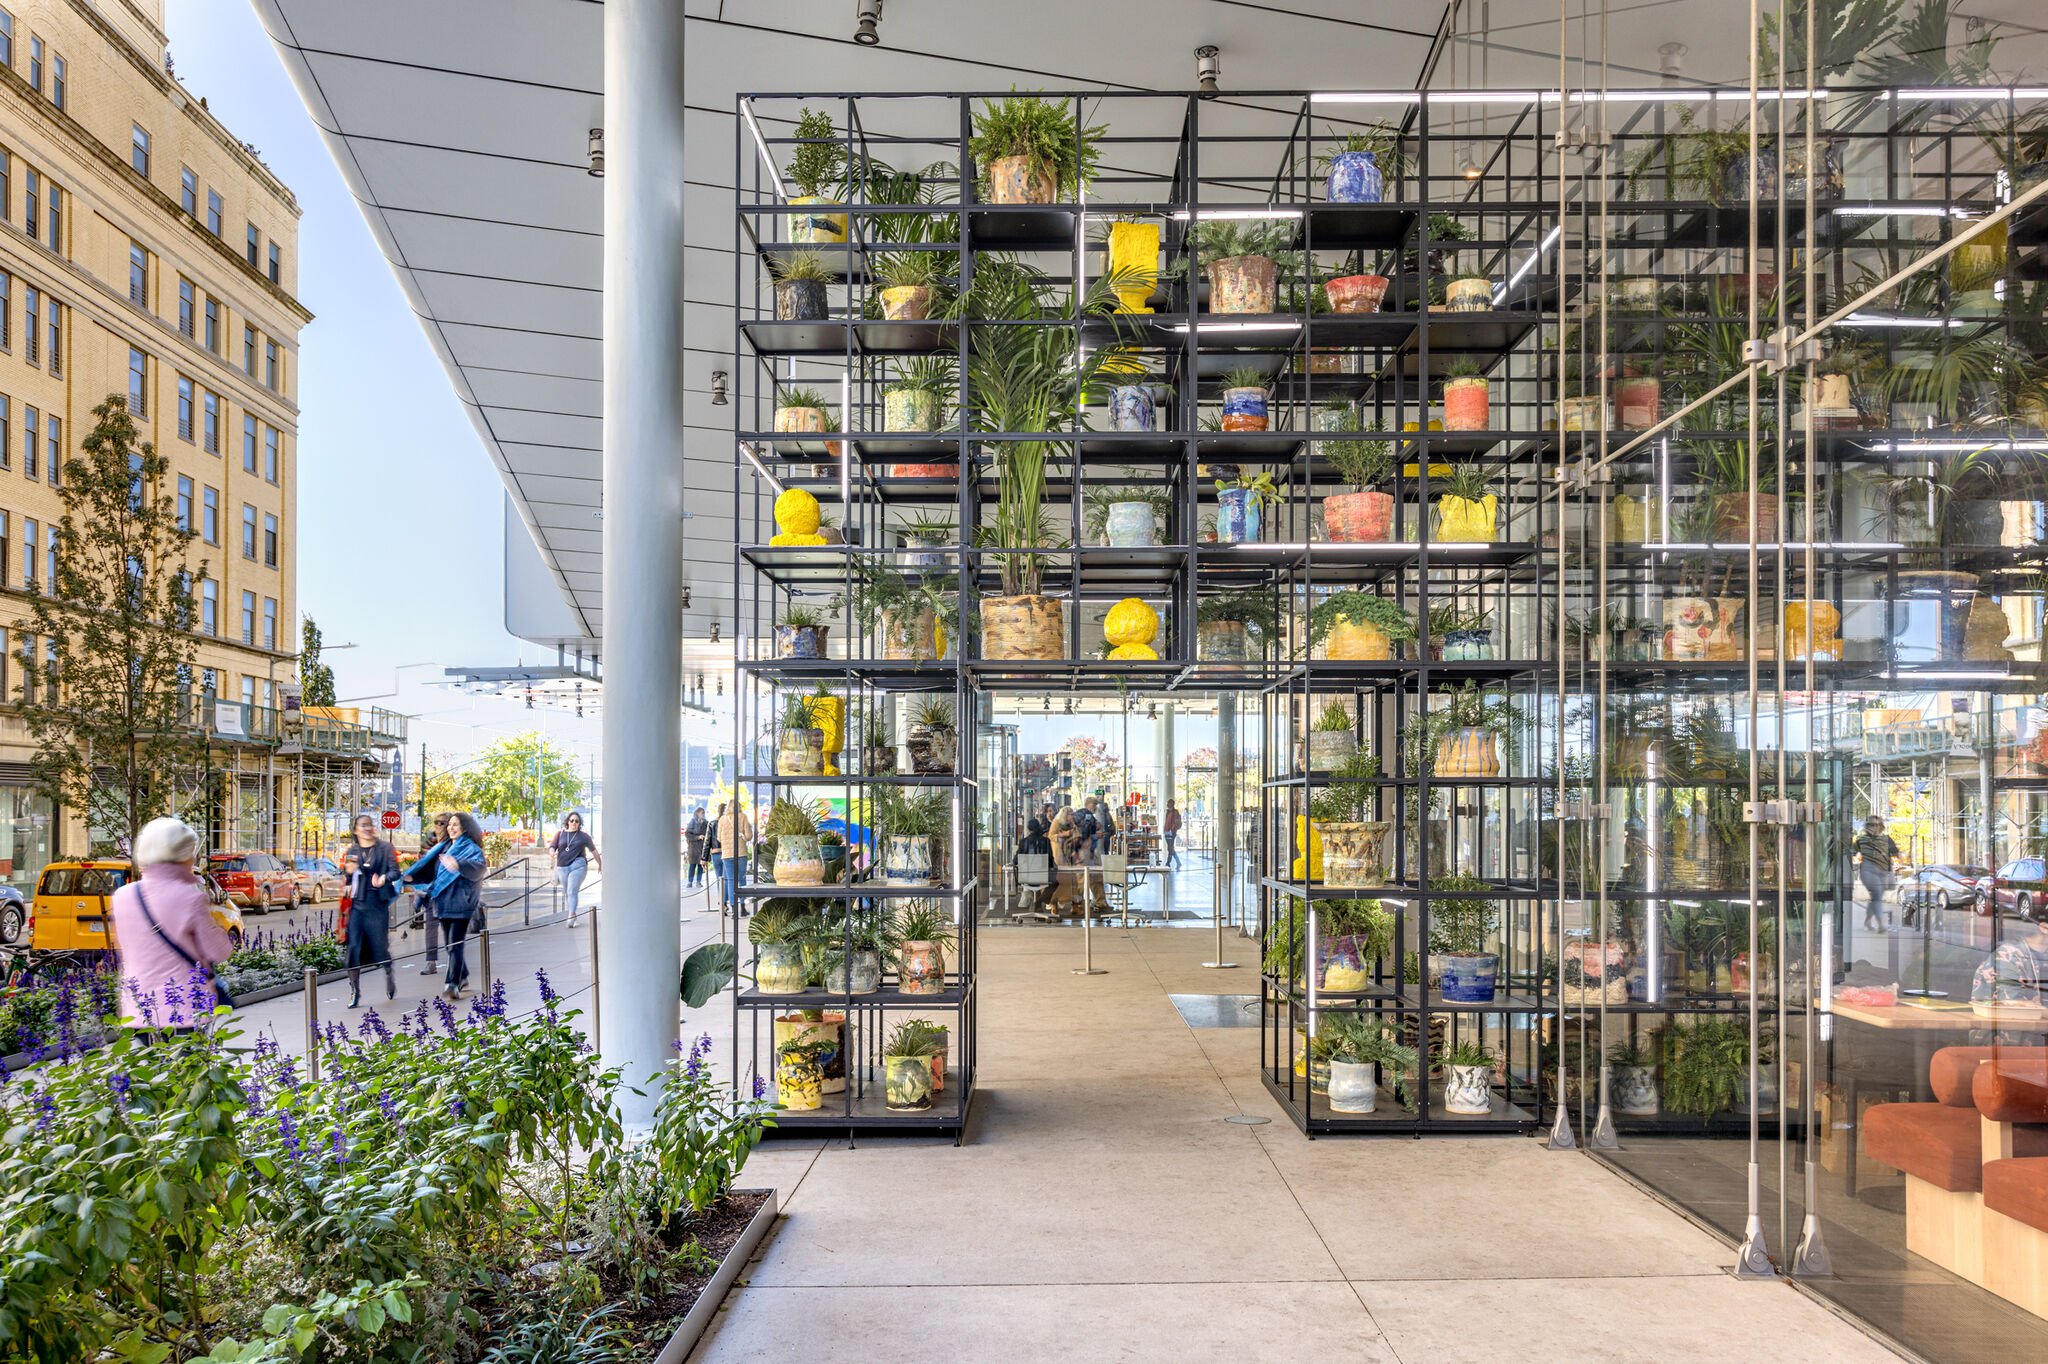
x,y
142,898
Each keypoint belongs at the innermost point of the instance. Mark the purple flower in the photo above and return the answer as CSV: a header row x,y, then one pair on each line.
x,y
441,1006
120,1084
289,1131
389,1107
760,1086
46,1110
338,1148
144,1002
499,1003
372,1024
695,1068
455,1107
174,998
547,991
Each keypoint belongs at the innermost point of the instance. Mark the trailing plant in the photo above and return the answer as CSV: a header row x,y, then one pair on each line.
x,y
1359,608
1041,128
818,156
1253,608
1459,924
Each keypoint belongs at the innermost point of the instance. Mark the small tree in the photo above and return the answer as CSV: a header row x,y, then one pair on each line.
x,y
446,788
110,704
316,679
503,780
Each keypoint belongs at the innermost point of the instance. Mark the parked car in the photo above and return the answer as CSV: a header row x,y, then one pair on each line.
x,y
71,910
1940,886
255,880
2016,887
318,878
14,916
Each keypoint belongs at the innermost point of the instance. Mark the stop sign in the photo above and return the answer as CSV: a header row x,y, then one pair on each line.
x,y
391,819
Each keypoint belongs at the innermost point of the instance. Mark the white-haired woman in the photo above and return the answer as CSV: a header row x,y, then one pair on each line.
x,y
165,930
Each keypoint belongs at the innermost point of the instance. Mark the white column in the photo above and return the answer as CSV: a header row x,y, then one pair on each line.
x,y
639,939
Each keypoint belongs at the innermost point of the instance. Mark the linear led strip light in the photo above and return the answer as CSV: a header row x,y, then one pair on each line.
x,y
1500,291
1953,447
760,142
1693,96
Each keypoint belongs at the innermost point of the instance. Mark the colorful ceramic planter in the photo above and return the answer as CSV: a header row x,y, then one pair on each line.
x,y
1028,627
1238,514
829,1029
1131,408
799,1082
1469,295
858,974
910,409
1581,412
1341,965
1354,853
1465,521
1242,284
907,1083
1467,646
910,635
878,760
933,749
799,300
1468,977
1468,753
1353,1087
1020,180
1245,409
1131,525
800,753
1465,403
1329,747
924,471
1354,178
1688,624
815,228
1638,402
800,641
907,860
799,861
921,970
1825,621
1134,262
779,968
1357,641
1356,293
907,302
1359,518
1632,1089
1222,641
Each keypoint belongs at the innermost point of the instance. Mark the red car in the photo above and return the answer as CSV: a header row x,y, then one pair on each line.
x,y
255,880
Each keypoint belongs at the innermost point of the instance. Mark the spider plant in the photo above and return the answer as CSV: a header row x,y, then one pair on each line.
x,y
933,712
1381,140
1466,481
805,264
796,712
786,816
1226,238
924,921
1100,498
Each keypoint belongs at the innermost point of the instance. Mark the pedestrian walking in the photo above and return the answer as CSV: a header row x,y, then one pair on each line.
x,y
451,870
735,836
1875,854
166,933
369,868
575,854
1169,825
695,834
1065,836
715,850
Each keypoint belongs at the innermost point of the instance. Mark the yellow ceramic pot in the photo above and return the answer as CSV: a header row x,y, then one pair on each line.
x,y
1826,622
1358,641
1460,520
1468,753
1134,254
799,1083
1130,621
1022,628
828,713
1305,836
815,229
907,302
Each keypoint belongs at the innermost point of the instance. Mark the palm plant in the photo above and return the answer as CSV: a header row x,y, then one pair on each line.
x,y
874,182
1225,238
880,590
1382,140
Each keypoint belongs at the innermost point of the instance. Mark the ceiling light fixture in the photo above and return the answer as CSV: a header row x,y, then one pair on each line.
x,y
714,632
719,380
597,152
868,14
1207,69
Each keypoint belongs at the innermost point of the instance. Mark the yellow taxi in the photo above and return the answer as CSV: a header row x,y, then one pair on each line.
x,y
72,909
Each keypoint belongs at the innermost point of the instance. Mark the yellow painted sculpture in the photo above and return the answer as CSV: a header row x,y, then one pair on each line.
x,y
796,519
1130,628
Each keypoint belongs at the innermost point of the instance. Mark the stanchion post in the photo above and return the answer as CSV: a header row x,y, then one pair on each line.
x,y
312,1026
1216,912
483,939
595,997
1088,966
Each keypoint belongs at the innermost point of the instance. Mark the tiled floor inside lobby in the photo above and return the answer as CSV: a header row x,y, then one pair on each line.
x,y
1103,1209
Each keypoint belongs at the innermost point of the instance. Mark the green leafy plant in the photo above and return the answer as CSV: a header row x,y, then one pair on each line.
x,y
797,616
1705,1066
1335,719
1470,1054
802,398
1632,1053
927,374
1467,707
880,590
915,1037
805,264
1364,464
786,816
1463,367
924,921
1359,608
818,157
932,529
1450,618
1367,921
1259,485
1467,481
783,922
1444,230
1363,1039
932,711
1254,608
904,812
1227,238
1382,140
1349,793
1458,924
909,269
1245,377
1043,129
1100,498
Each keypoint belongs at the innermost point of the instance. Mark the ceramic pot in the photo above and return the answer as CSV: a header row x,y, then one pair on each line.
x,y
1468,1089
1465,403
1634,294
938,1060
1463,521
1020,180
1027,627
1357,641
1468,977
907,860
1467,646
947,471
1468,753
1827,170
799,300
1582,412
1352,1087
779,969
815,228
799,1082
799,861
1688,624
907,302
1729,639
831,1028
800,753
1341,965
1736,178
1238,513
912,636
1134,255
921,559
1131,408
835,861
1638,403
907,1083
1130,525
1329,747
1931,615
921,970
1359,518
859,974
1626,522
1469,295
801,419
1354,853
878,761
1242,284
800,641
910,409
1356,293
1632,1089
1731,517
933,749
1354,178
1245,409
1222,641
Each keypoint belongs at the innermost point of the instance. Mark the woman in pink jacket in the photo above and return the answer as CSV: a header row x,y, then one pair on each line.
x,y
164,928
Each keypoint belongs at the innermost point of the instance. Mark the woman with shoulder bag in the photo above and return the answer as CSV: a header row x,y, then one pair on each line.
x,y
166,933
575,854
451,870
371,868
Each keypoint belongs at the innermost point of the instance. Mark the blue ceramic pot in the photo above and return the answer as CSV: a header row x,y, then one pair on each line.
x,y
1130,525
1237,516
1354,179
1245,409
1467,646
1131,408
1469,979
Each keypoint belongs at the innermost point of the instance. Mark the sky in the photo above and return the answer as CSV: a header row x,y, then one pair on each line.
x,y
420,580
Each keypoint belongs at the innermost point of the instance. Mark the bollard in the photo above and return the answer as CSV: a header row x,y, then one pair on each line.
x,y
483,940
312,1027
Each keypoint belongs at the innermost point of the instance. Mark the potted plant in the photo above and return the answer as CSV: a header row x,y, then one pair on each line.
x,y
1469,291
1240,504
1244,400
1706,1066
1138,406
915,616
1235,627
800,632
924,533
915,400
1128,518
923,932
1457,635
1356,626
908,279
1361,1047
907,1068
1632,1077
800,745
1242,257
1355,168
1465,396
911,824
934,739
780,931
854,951
1030,149
1468,1079
1465,510
1724,465
801,410
877,754
1330,740
1344,838
1459,926
800,279
1364,515
1463,736
800,1073
814,167
799,861
1352,935
832,845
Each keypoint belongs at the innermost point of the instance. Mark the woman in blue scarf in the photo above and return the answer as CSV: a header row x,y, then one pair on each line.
x,y
454,867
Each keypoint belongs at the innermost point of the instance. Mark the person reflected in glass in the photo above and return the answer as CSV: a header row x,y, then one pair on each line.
x,y
694,835
1876,853
1169,827
2014,977
369,868
451,870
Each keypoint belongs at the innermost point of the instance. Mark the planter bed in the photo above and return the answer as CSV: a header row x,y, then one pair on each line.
x,y
729,1234
290,988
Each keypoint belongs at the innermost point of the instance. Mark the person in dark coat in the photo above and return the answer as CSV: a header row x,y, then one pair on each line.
x,y
369,867
451,869
695,834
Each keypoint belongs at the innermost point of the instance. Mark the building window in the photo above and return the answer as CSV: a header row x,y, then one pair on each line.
x,y
56,339
6,444
31,204
213,212
138,274
270,622
276,265
209,616
56,452
56,219
4,543
248,350
248,618
6,184
184,408
35,64
270,439
209,516
28,553
210,405
213,325
270,366
31,434
138,371
184,503
248,691
6,310
252,246
6,38
188,190
188,308
32,332
248,444
50,561
269,540
138,151
248,531
57,81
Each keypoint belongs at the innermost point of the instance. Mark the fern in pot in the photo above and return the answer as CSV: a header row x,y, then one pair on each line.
x,y
1459,926
915,613
1346,844
1364,515
1127,518
1361,1049
1032,149
1242,257
855,948
814,167
1236,627
781,931
1464,735
1468,1080
1352,936
800,632
1357,626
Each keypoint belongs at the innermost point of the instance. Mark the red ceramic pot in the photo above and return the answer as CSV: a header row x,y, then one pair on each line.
x,y
924,471
1637,403
1359,518
1465,404
1356,293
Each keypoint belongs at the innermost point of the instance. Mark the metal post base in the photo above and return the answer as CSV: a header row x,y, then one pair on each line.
x,y
1221,965
1603,1138
1810,1260
1088,971
1752,1257
1561,1138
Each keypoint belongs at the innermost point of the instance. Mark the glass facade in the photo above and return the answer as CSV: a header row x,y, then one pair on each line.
x,y
27,837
